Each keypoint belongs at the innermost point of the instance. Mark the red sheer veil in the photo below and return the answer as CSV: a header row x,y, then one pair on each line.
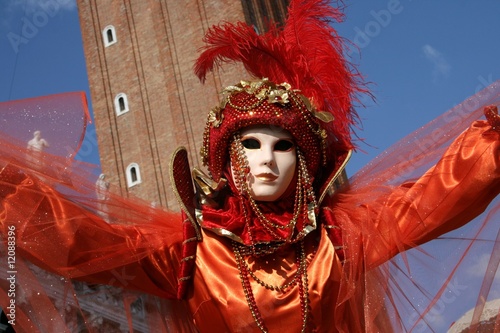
x,y
36,300
431,287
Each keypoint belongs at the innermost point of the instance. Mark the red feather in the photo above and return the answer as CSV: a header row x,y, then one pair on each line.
x,y
306,52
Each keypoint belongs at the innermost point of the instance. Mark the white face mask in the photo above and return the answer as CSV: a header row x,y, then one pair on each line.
x,y
272,159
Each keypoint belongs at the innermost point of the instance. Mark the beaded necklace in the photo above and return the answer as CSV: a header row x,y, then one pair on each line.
x,y
304,202
300,279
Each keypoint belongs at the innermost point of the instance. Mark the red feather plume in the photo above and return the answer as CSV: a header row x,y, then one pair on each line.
x,y
306,52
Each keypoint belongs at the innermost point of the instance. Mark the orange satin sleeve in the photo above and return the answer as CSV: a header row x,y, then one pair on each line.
x,y
63,235
450,194
380,217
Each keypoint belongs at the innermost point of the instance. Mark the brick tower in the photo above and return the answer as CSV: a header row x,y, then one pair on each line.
x,y
145,98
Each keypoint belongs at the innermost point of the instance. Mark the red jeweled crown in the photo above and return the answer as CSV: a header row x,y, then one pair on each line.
x,y
262,103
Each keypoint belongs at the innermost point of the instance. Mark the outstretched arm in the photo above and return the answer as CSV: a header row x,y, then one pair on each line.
x,y
388,220
63,236
457,189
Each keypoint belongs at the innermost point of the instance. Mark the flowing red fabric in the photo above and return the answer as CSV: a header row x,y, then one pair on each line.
x,y
427,288
411,263
61,233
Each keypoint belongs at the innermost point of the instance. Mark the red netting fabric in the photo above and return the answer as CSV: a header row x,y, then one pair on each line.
x,y
57,232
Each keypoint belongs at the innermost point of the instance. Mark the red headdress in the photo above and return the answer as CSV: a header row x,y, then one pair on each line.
x,y
306,54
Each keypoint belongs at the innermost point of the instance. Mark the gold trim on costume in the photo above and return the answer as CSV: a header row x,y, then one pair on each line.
x,y
337,174
226,233
177,195
188,258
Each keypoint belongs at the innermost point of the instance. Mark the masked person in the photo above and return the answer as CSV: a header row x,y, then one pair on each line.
x,y
272,244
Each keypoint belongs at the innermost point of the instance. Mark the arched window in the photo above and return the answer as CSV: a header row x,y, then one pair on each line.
x,y
121,104
109,35
133,174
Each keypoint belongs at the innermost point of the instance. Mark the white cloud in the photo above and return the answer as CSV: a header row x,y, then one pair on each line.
x,y
441,67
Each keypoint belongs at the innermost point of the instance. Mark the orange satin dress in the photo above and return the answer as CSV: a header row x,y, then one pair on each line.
x,y
218,303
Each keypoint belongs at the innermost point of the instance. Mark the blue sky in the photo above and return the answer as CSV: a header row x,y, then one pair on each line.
x,y
423,57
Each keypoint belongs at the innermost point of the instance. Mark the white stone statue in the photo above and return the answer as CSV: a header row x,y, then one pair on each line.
x,y
37,144
102,187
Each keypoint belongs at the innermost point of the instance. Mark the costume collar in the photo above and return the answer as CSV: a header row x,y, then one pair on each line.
x,y
236,220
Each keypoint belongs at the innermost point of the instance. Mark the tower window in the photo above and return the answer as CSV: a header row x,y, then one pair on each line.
x,y
121,104
133,174
109,35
